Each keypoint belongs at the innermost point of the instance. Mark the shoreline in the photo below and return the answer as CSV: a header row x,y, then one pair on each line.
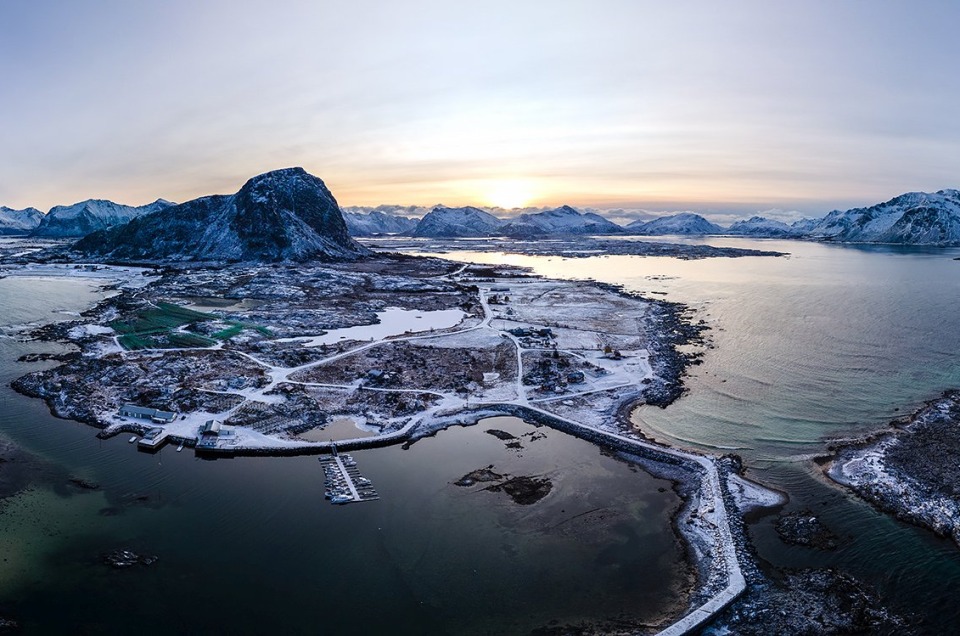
x,y
886,469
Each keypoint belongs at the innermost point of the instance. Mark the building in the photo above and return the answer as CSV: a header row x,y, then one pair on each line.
x,y
146,413
211,428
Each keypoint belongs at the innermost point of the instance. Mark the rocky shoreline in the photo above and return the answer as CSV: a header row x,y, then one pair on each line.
x,y
911,470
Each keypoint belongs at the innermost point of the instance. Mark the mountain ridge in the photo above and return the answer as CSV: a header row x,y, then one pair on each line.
x,y
84,217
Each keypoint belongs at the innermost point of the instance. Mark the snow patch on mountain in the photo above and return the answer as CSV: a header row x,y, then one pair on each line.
x,y
914,218
685,223
562,221
19,221
466,222
89,216
761,227
375,222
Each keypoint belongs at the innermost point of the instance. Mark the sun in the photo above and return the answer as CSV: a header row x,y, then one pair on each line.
x,y
508,193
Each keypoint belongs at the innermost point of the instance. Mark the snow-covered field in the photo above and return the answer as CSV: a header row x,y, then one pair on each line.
x,y
128,277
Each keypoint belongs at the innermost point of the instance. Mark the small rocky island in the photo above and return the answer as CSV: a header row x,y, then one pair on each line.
x,y
911,470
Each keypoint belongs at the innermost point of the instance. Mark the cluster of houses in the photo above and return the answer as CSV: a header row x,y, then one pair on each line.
x,y
208,435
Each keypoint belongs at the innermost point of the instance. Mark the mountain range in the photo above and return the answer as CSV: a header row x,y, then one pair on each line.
x,y
80,219
913,218
376,222
916,218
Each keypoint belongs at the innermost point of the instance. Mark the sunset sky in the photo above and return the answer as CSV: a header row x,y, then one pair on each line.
x,y
717,107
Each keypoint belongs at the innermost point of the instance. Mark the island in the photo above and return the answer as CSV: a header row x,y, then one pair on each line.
x,y
911,470
252,324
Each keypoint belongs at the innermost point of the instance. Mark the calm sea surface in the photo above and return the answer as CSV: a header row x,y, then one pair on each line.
x,y
249,545
829,342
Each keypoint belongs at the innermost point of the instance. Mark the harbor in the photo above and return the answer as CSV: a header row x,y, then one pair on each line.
x,y
343,482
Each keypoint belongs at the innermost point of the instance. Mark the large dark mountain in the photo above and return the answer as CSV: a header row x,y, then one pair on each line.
x,y
80,219
282,215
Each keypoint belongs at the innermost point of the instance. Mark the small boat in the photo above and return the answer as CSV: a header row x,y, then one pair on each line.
x,y
132,439
180,447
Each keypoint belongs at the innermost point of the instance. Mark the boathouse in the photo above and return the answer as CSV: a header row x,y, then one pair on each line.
x,y
146,413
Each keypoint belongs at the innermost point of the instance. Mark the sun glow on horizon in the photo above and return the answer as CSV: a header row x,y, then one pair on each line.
x,y
508,193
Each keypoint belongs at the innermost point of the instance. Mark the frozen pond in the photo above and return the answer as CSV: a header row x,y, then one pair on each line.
x,y
393,321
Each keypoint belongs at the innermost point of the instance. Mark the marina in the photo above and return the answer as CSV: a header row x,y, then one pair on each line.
x,y
343,482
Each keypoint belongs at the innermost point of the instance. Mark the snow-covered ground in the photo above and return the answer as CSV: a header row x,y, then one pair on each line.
x,y
750,495
128,277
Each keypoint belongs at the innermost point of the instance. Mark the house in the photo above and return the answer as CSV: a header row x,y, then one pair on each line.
x,y
211,428
146,413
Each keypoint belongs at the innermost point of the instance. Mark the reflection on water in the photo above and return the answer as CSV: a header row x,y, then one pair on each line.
x,y
338,429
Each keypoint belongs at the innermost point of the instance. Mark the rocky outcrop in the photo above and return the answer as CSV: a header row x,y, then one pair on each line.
x,y
911,471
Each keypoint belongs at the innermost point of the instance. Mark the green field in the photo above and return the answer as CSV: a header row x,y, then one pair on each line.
x,y
162,318
237,327
154,328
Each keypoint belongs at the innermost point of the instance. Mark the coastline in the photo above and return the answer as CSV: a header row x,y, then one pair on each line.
x,y
708,520
886,469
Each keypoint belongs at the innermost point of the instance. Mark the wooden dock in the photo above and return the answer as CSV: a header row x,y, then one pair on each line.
x,y
151,443
343,482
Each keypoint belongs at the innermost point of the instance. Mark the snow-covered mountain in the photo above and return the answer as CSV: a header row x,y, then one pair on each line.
x,y
415,211
19,221
376,222
458,222
915,218
761,227
89,216
563,220
282,215
685,223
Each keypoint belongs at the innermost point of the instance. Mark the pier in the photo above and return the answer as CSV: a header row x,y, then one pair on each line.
x,y
343,482
153,440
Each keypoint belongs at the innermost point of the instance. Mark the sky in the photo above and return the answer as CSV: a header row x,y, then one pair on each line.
x,y
725,108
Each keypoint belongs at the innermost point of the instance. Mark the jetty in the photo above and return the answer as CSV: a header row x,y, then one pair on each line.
x,y
153,440
343,482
